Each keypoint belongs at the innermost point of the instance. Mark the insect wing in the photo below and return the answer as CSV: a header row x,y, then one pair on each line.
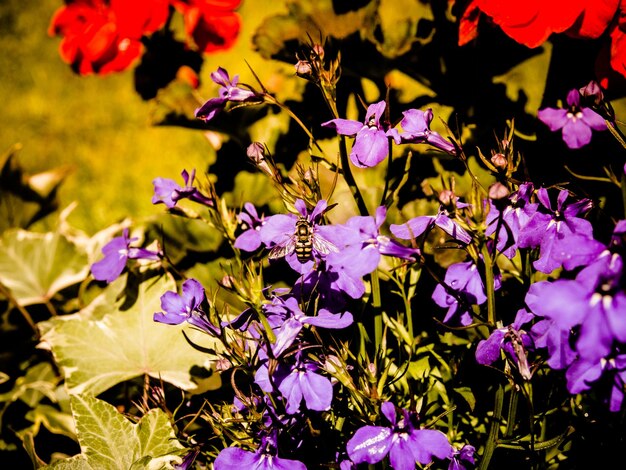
x,y
283,249
323,246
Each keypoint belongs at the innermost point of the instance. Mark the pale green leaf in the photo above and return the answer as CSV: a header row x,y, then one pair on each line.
x,y
36,266
98,354
527,80
110,441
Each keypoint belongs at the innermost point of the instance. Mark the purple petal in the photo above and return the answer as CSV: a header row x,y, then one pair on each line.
x,y
291,391
369,444
581,374
400,455
576,134
488,351
164,191
452,228
250,240
344,126
316,390
413,228
193,293
426,443
554,118
208,110
325,319
389,411
234,458
370,148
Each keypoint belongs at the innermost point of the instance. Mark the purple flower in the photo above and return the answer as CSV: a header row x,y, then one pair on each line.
x,y
281,233
373,243
250,238
265,458
418,225
507,216
576,121
304,383
416,127
462,282
582,373
371,143
287,320
116,253
403,441
185,307
513,340
462,459
551,230
168,192
229,91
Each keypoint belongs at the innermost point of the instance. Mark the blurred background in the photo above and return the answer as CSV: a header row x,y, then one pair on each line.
x,y
98,128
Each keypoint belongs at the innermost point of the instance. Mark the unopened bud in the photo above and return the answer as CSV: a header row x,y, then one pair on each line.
x,y
318,50
498,191
447,197
592,92
303,67
499,161
256,152
227,282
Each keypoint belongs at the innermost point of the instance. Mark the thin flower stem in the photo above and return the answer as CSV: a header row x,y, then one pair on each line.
x,y
7,293
378,315
489,287
615,131
511,413
347,175
492,440
383,198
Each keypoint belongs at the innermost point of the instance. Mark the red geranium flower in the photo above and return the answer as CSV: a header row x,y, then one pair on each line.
x,y
212,24
531,22
103,37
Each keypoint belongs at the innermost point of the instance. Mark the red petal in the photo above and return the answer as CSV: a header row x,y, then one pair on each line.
x,y
595,19
468,26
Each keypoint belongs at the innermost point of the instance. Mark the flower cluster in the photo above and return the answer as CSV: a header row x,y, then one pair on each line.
x,y
105,36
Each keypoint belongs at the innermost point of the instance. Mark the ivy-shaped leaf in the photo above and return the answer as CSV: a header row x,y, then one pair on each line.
x,y
109,440
96,354
35,266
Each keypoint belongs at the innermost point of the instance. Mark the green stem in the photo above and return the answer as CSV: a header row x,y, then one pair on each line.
x,y
347,175
7,293
378,314
383,198
616,132
489,287
512,411
492,440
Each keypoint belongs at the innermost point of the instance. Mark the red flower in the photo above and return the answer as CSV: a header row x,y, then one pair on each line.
x,y
212,24
531,22
103,37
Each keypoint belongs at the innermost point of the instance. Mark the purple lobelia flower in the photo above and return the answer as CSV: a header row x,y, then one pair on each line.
x,y
424,223
302,240
371,143
168,192
551,230
287,320
513,340
250,238
373,244
507,216
265,458
116,253
462,459
582,373
403,441
463,287
297,382
230,91
416,130
576,121
186,307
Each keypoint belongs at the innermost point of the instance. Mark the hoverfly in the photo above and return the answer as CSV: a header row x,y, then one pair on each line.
x,y
303,241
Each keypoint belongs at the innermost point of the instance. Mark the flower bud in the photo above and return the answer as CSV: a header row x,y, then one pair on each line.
x,y
256,152
447,197
498,191
499,161
303,67
592,92
318,50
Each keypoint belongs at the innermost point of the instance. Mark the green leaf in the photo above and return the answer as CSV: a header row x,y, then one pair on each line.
x,y
35,266
398,21
312,17
24,198
96,354
109,440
